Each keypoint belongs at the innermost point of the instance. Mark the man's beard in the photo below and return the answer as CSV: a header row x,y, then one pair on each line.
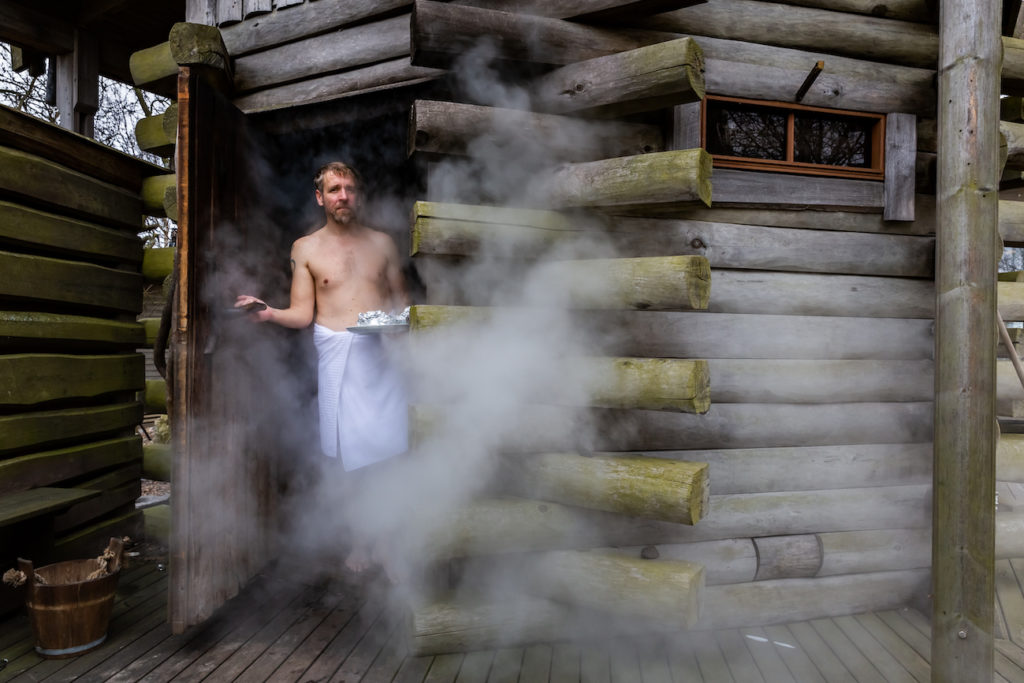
x,y
344,215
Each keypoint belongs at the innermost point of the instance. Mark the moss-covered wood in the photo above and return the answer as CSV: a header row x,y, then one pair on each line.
x,y
108,500
157,263
39,180
661,593
158,134
154,191
152,328
1010,298
668,384
49,467
33,378
24,431
63,236
1011,223
156,68
84,542
156,461
1010,458
155,396
644,79
1012,81
40,278
655,283
656,488
22,327
438,128
21,505
661,178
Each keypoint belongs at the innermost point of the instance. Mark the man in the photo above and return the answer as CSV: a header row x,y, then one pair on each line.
x,y
338,271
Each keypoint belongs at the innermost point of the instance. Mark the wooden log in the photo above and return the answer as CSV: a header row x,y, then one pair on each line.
x,y
48,467
1010,299
731,560
157,523
723,335
156,461
639,383
809,468
33,378
787,557
83,542
157,263
1009,527
449,128
754,21
728,425
155,400
632,485
40,181
441,229
1010,458
900,166
23,327
922,11
1012,74
657,283
364,80
664,594
109,500
23,431
39,502
38,278
350,47
158,134
62,236
32,135
442,31
643,79
661,178
814,381
786,600
301,21
582,10
196,45
1014,134
874,550
154,189
837,295
781,190
152,328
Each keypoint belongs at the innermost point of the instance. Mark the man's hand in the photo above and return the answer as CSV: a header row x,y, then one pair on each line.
x,y
258,310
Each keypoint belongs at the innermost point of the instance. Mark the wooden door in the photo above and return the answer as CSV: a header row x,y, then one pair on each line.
x,y
222,472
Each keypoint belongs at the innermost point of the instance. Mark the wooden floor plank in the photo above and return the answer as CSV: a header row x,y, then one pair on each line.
x,y
389,661
796,660
475,667
623,663
1011,601
312,614
738,657
506,665
887,665
830,666
565,663
366,651
766,656
300,659
654,667
594,664
713,666
899,648
856,663
911,636
681,660
444,668
1008,669
536,663
111,667
333,656
413,670
1010,650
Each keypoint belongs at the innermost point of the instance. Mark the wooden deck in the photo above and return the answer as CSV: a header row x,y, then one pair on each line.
x,y
288,630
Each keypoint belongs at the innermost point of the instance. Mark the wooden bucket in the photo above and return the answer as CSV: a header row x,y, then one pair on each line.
x,y
69,613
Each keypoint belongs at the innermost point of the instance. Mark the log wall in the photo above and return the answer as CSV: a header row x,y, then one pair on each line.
x,y
70,289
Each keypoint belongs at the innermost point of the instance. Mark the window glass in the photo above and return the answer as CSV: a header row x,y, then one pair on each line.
x,y
833,140
740,130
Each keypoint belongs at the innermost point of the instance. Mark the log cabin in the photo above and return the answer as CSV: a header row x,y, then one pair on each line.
x,y
778,223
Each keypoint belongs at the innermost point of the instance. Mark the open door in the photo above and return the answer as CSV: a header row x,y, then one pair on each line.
x,y
222,472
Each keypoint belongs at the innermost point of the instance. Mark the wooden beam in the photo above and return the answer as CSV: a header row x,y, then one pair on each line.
x,y
755,21
731,187
38,278
20,432
582,10
155,396
638,486
62,236
78,86
900,166
25,59
1010,300
449,128
1012,81
197,45
351,47
40,181
442,31
49,467
33,378
158,134
69,330
1011,223
629,82
156,461
154,191
22,505
1014,134
922,11
33,28
157,263
963,530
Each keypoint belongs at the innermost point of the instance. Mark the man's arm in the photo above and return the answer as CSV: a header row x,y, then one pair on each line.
x,y
301,307
396,281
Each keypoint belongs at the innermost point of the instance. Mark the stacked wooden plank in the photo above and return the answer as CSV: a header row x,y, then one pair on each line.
x,y
817,334
69,376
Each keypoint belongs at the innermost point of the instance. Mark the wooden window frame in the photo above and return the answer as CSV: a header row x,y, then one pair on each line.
x,y
875,172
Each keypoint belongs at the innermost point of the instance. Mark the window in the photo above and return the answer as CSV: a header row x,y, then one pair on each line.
x,y
792,138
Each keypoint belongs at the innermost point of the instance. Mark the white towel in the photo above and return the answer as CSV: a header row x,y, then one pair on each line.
x,y
363,409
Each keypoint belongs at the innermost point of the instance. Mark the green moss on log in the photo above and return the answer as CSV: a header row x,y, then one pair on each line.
x,y
22,431
48,467
34,326
60,235
154,188
29,379
156,396
40,278
157,263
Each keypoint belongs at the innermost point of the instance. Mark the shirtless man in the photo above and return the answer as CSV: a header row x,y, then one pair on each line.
x,y
338,271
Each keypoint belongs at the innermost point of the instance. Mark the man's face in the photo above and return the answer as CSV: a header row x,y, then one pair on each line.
x,y
340,197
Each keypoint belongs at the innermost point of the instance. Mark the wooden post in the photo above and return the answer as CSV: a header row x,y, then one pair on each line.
x,y
78,84
964,473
